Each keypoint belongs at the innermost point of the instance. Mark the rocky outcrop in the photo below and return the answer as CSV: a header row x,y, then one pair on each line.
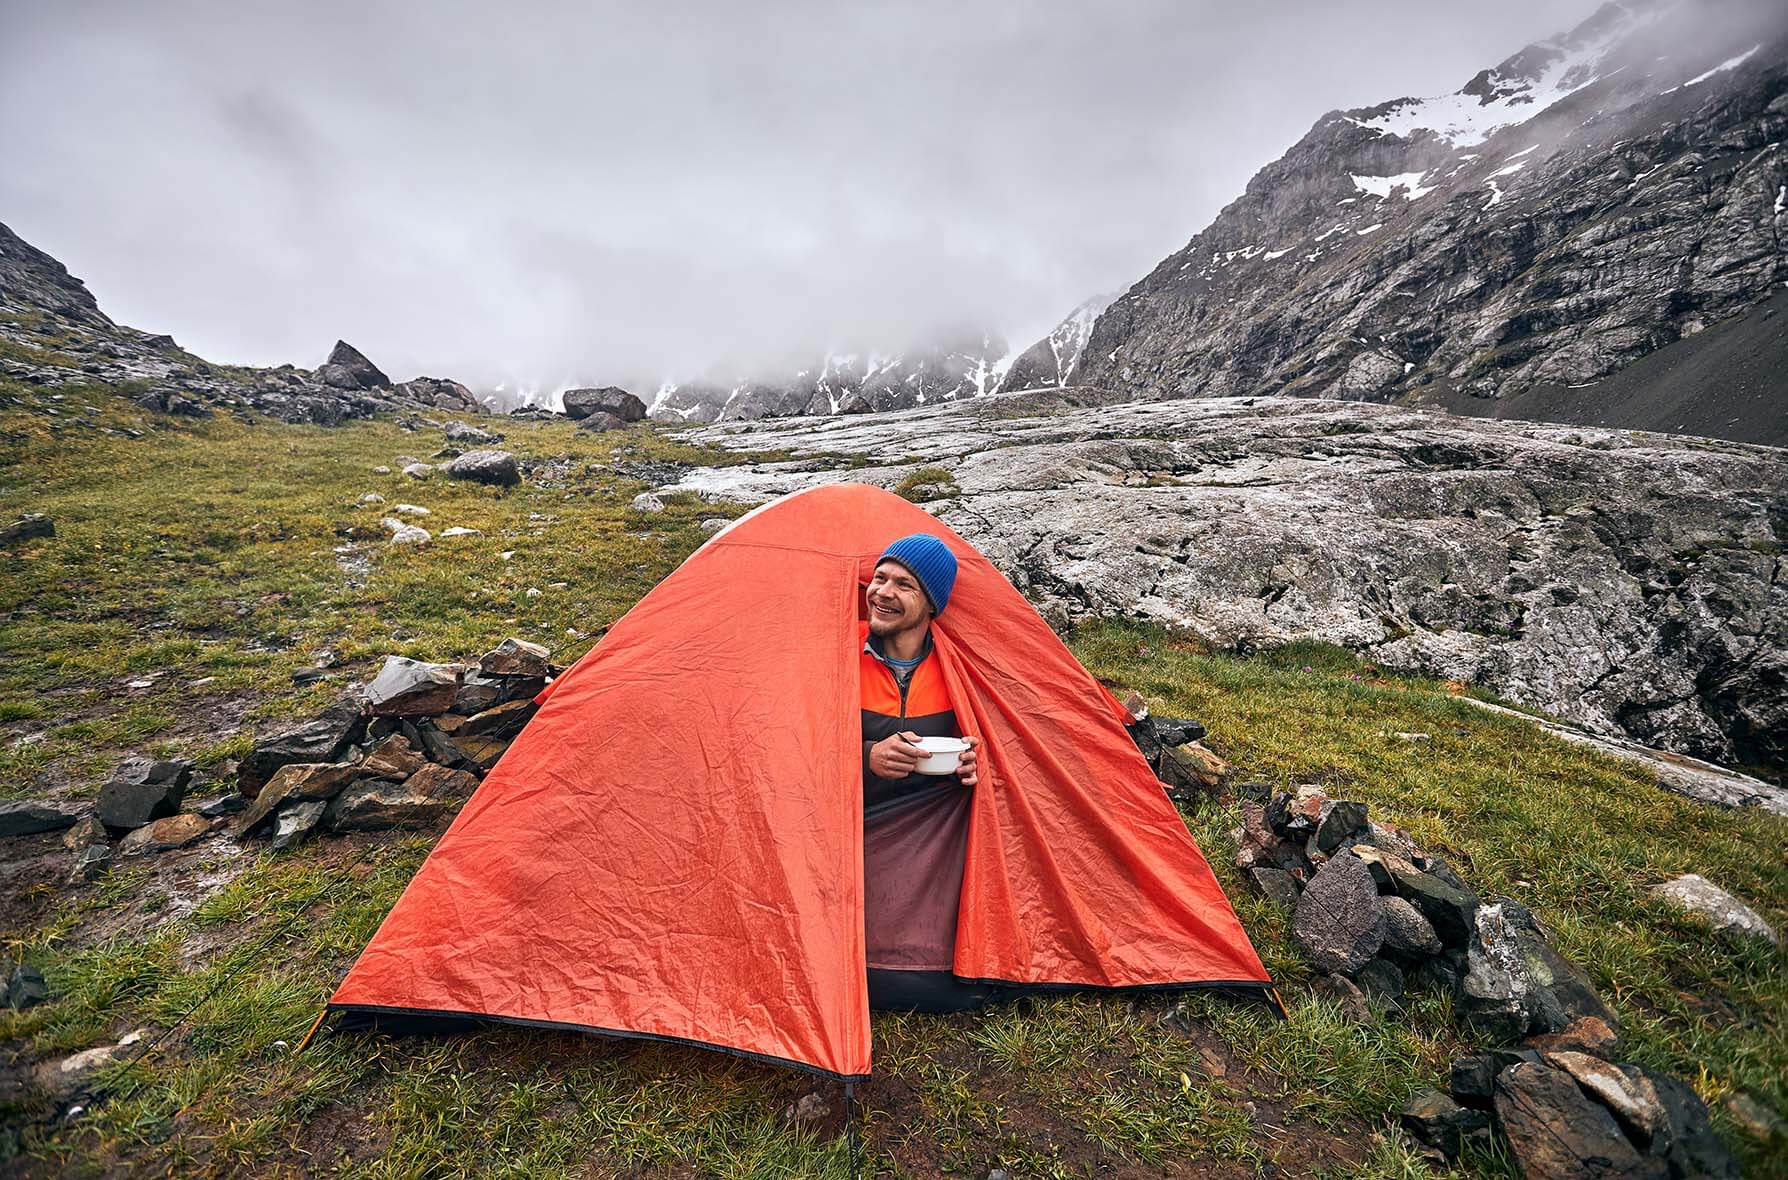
x,y
348,368
1631,583
53,335
1591,200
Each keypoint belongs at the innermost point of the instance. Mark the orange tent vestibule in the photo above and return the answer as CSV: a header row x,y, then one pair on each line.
x,y
673,848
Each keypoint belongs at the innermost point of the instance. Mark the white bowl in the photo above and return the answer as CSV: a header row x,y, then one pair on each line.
x,y
940,754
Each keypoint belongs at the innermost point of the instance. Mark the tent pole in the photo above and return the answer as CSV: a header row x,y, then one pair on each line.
x,y
315,1025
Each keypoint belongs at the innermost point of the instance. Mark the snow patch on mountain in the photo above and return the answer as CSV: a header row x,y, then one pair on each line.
x,y
1383,186
1519,88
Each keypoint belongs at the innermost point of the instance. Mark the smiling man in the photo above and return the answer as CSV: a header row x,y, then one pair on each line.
x,y
915,826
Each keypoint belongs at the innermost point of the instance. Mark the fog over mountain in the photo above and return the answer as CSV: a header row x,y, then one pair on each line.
x,y
555,194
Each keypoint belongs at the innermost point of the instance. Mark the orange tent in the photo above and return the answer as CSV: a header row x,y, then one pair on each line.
x,y
673,848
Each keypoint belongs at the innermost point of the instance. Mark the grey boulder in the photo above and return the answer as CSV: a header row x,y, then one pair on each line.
x,y
1696,895
412,688
497,468
1339,924
142,789
22,817
609,399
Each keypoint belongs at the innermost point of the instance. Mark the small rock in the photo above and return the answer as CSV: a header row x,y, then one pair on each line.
x,y
176,831
1436,1120
600,423
503,721
1277,886
713,524
412,688
1381,980
1336,822
296,821
22,817
69,1076
1340,922
325,739
1753,1118
142,789
1627,1093
647,502
407,534
809,1109
222,805
489,467
381,469
296,782
372,498
1447,907
437,782
411,510
394,758
465,432
93,862
1586,1034
309,675
1696,895
371,805
28,527
516,657
1177,731
25,988
1345,992
1407,932
1473,1079
1515,983
461,531
1688,1143
1556,1131
418,470
88,832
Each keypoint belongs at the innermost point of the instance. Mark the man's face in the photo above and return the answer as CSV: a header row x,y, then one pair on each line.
x,y
896,601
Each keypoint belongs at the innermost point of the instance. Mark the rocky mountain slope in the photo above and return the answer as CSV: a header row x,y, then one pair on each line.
x,y
1589,201
843,383
52,334
1631,583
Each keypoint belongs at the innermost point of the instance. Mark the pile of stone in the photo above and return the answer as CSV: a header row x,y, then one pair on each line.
x,y
1374,913
401,756
1568,1110
1174,751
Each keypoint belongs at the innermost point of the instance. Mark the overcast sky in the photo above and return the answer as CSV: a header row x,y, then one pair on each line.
x,y
592,192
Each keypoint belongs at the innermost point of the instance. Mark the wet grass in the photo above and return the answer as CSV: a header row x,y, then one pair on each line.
x,y
203,558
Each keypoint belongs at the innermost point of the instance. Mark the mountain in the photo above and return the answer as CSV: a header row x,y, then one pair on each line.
x,y
844,383
52,334
1590,201
1051,359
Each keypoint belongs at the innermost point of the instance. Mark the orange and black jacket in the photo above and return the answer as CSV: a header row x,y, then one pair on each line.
x,y
922,708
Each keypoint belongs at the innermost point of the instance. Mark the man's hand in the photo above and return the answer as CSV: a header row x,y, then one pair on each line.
x,y
895,757
965,761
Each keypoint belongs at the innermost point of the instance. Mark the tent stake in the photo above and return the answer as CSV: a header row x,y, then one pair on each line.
x,y
315,1025
1278,1003
850,1130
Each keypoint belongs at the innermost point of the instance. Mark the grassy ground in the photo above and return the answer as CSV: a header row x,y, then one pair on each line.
x,y
213,559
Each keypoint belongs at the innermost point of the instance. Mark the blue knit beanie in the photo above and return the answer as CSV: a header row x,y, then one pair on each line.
x,y
930,561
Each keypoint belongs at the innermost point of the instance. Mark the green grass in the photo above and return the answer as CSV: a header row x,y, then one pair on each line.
x,y
201,558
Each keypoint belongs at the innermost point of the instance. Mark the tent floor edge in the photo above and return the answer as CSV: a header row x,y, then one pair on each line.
x,y
398,1021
